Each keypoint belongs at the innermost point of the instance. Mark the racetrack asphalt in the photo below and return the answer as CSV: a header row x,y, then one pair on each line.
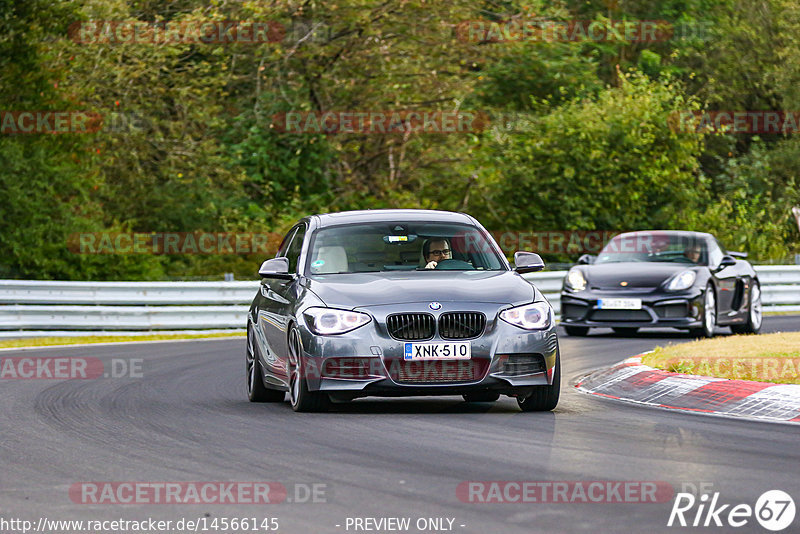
x,y
187,419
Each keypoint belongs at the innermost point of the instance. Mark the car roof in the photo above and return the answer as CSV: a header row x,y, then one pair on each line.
x,y
391,215
680,233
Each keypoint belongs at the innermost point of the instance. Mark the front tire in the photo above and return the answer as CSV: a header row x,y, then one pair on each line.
x,y
709,315
300,397
576,330
256,390
754,313
544,398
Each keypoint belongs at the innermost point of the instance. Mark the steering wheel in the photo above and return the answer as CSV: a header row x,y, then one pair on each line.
x,y
453,265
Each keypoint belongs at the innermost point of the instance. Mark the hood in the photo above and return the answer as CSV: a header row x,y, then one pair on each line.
x,y
636,274
375,289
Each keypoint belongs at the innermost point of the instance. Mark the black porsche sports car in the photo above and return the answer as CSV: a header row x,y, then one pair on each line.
x,y
684,280
399,303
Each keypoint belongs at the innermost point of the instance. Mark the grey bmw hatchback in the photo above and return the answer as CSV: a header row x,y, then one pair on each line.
x,y
399,303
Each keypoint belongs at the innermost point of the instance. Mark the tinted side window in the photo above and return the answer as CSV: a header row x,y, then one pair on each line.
x,y
295,247
714,253
285,244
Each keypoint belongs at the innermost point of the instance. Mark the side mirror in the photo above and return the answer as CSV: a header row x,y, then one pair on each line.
x,y
742,255
527,262
727,261
586,259
275,268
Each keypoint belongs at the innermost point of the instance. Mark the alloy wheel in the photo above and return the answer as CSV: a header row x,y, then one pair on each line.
x,y
756,311
710,311
295,369
251,368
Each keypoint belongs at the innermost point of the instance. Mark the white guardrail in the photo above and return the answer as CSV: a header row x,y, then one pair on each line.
x,y
45,305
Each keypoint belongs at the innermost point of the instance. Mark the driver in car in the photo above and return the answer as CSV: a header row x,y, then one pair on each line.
x,y
435,250
693,253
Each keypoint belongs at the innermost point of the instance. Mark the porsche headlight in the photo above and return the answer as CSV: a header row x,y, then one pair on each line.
x,y
329,321
536,316
682,280
575,279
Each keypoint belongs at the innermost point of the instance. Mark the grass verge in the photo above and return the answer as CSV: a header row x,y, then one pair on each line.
x,y
81,340
763,358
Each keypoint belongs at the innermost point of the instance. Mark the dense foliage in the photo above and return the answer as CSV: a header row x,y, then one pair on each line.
x,y
190,141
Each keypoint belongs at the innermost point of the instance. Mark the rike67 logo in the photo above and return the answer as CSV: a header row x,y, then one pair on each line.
x,y
774,510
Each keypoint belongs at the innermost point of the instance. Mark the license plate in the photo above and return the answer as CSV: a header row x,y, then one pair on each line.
x,y
619,304
457,350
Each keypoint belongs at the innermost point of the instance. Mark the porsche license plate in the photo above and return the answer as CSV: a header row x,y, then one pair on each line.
x,y
619,304
454,350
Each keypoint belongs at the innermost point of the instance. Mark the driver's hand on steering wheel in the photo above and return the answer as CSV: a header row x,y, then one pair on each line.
x,y
438,249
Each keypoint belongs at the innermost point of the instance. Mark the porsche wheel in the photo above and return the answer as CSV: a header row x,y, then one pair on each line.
x,y
709,314
754,313
300,397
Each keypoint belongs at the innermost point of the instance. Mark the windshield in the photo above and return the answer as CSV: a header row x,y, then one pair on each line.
x,y
401,246
655,247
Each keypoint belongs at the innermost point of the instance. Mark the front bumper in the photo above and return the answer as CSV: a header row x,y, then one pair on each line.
x,y
679,309
490,367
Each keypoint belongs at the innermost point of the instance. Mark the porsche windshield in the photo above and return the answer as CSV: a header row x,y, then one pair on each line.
x,y
655,247
400,246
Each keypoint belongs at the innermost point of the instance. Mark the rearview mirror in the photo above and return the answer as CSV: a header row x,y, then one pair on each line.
x,y
586,259
275,268
527,262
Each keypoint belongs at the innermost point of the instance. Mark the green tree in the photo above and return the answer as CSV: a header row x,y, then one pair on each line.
x,y
608,163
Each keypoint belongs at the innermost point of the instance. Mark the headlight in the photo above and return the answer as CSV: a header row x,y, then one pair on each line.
x,y
327,321
682,280
576,280
534,316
